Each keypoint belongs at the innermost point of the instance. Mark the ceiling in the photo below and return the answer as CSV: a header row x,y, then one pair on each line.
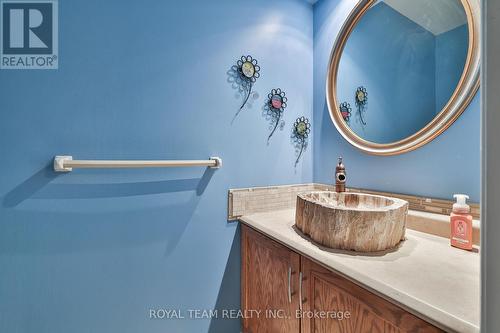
x,y
436,16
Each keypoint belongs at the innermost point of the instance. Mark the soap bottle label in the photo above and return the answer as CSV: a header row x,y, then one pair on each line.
x,y
460,228
460,233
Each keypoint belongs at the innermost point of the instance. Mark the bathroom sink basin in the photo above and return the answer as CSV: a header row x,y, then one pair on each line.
x,y
352,221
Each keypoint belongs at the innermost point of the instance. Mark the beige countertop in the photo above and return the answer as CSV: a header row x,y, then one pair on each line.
x,y
425,275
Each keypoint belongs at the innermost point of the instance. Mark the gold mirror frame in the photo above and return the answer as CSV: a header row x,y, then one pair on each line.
x,y
462,96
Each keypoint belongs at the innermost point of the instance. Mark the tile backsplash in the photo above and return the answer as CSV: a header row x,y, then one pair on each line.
x,y
245,201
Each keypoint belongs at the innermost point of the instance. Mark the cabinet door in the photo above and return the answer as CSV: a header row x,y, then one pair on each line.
x,y
269,285
328,299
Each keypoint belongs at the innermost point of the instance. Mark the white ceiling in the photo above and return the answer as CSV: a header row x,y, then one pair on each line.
x,y
437,16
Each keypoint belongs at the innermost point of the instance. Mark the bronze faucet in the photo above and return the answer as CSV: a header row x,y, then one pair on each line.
x,y
340,177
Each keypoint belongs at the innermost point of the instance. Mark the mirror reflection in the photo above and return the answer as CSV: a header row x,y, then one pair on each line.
x,y
407,57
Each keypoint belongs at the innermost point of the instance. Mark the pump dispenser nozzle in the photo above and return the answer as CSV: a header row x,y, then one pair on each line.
x,y
461,205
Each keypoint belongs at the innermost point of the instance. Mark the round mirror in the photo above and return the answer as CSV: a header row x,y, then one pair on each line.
x,y
402,71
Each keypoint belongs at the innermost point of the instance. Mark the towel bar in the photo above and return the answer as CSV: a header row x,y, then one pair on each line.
x,y
67,163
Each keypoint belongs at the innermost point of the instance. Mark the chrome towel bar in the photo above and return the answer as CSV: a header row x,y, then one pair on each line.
x,y
67,163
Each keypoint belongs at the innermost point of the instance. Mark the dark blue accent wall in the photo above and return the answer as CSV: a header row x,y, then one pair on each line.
x,y
94,250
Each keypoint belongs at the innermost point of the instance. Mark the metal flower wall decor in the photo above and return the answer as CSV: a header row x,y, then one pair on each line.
x,y
345,111
249,73
361,98
276,105
301,130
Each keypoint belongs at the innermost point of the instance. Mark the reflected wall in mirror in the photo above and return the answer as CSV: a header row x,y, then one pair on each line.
x,y
419,60
410,55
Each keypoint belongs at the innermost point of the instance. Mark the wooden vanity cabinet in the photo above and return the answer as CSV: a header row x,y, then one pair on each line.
x,y
274,280
328,292
268,285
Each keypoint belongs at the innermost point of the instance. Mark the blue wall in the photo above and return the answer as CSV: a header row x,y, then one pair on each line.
x,y
448,165
394,59
94,250
449,68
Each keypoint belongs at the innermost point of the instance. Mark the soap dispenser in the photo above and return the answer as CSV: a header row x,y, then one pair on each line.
x,y
461,223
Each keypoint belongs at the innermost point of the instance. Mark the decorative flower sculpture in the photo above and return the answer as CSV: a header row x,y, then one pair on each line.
x,y
301,130
277,104
345,111
249,73
361,101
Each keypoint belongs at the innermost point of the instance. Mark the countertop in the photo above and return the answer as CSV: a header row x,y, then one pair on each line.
x,y
424,275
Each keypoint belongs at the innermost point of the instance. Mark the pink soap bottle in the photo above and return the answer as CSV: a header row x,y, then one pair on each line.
x,y
461,223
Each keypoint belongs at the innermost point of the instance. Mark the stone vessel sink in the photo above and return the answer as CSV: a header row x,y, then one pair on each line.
x,y
352,221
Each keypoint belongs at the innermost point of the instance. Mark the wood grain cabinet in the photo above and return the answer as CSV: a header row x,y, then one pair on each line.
x,y
268,285
283,291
